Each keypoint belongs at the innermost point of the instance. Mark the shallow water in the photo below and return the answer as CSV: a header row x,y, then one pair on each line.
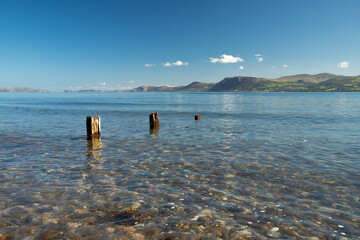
x,y
257,166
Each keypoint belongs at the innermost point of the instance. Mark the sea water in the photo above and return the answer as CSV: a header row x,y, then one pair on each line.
x,y
256,166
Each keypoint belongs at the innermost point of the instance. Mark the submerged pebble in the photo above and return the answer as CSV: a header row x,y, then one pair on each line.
x,y
274,229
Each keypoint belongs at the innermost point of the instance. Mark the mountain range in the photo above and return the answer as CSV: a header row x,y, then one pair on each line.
x,y
323,82
19,89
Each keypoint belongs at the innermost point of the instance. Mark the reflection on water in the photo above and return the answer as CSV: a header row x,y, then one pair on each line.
x,y
154,131
94,148
232,103
257,166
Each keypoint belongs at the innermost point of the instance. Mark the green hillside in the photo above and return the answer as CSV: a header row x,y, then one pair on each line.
x,y
323,82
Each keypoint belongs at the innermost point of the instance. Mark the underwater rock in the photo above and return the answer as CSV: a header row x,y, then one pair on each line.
x,y
7,237
73,226
206,212
48,233
151,229
135,205
127,217
138,236
241,234
129,230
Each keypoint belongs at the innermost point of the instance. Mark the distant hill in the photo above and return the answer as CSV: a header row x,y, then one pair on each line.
x,y
92,90
323,82
340,84
152,89
195,87
192,87
307,77
237,84
17,89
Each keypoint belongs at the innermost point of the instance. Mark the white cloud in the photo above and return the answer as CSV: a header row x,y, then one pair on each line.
x,y
241,67
343,65
131,81
274,67
259,57
177,63
285,66
103,84
226,59
149,65
180,63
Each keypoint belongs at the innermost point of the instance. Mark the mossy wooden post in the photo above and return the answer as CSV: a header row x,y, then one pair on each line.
x,y
154,122
197,117
93,127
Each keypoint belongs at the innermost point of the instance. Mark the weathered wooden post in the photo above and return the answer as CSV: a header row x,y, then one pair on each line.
x,y
197,117
154,122
93,127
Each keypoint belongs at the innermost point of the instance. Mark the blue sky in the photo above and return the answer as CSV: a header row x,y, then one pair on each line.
x,y
63,44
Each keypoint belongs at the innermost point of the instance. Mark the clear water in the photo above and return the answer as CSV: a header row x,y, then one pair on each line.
x,y
257,166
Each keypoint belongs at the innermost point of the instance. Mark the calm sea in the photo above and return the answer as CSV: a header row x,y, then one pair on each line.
x,y
257,166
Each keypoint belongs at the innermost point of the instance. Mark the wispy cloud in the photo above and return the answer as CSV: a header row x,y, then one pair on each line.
x,y
343,64
226,59
149,65
103,84
274,67
285,66
241,67
259,57
177,63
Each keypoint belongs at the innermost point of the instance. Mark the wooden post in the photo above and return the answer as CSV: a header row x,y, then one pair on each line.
x,y
197,117
93,127
154,121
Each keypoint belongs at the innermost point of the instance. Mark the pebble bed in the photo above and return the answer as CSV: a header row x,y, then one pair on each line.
x,y
224,177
